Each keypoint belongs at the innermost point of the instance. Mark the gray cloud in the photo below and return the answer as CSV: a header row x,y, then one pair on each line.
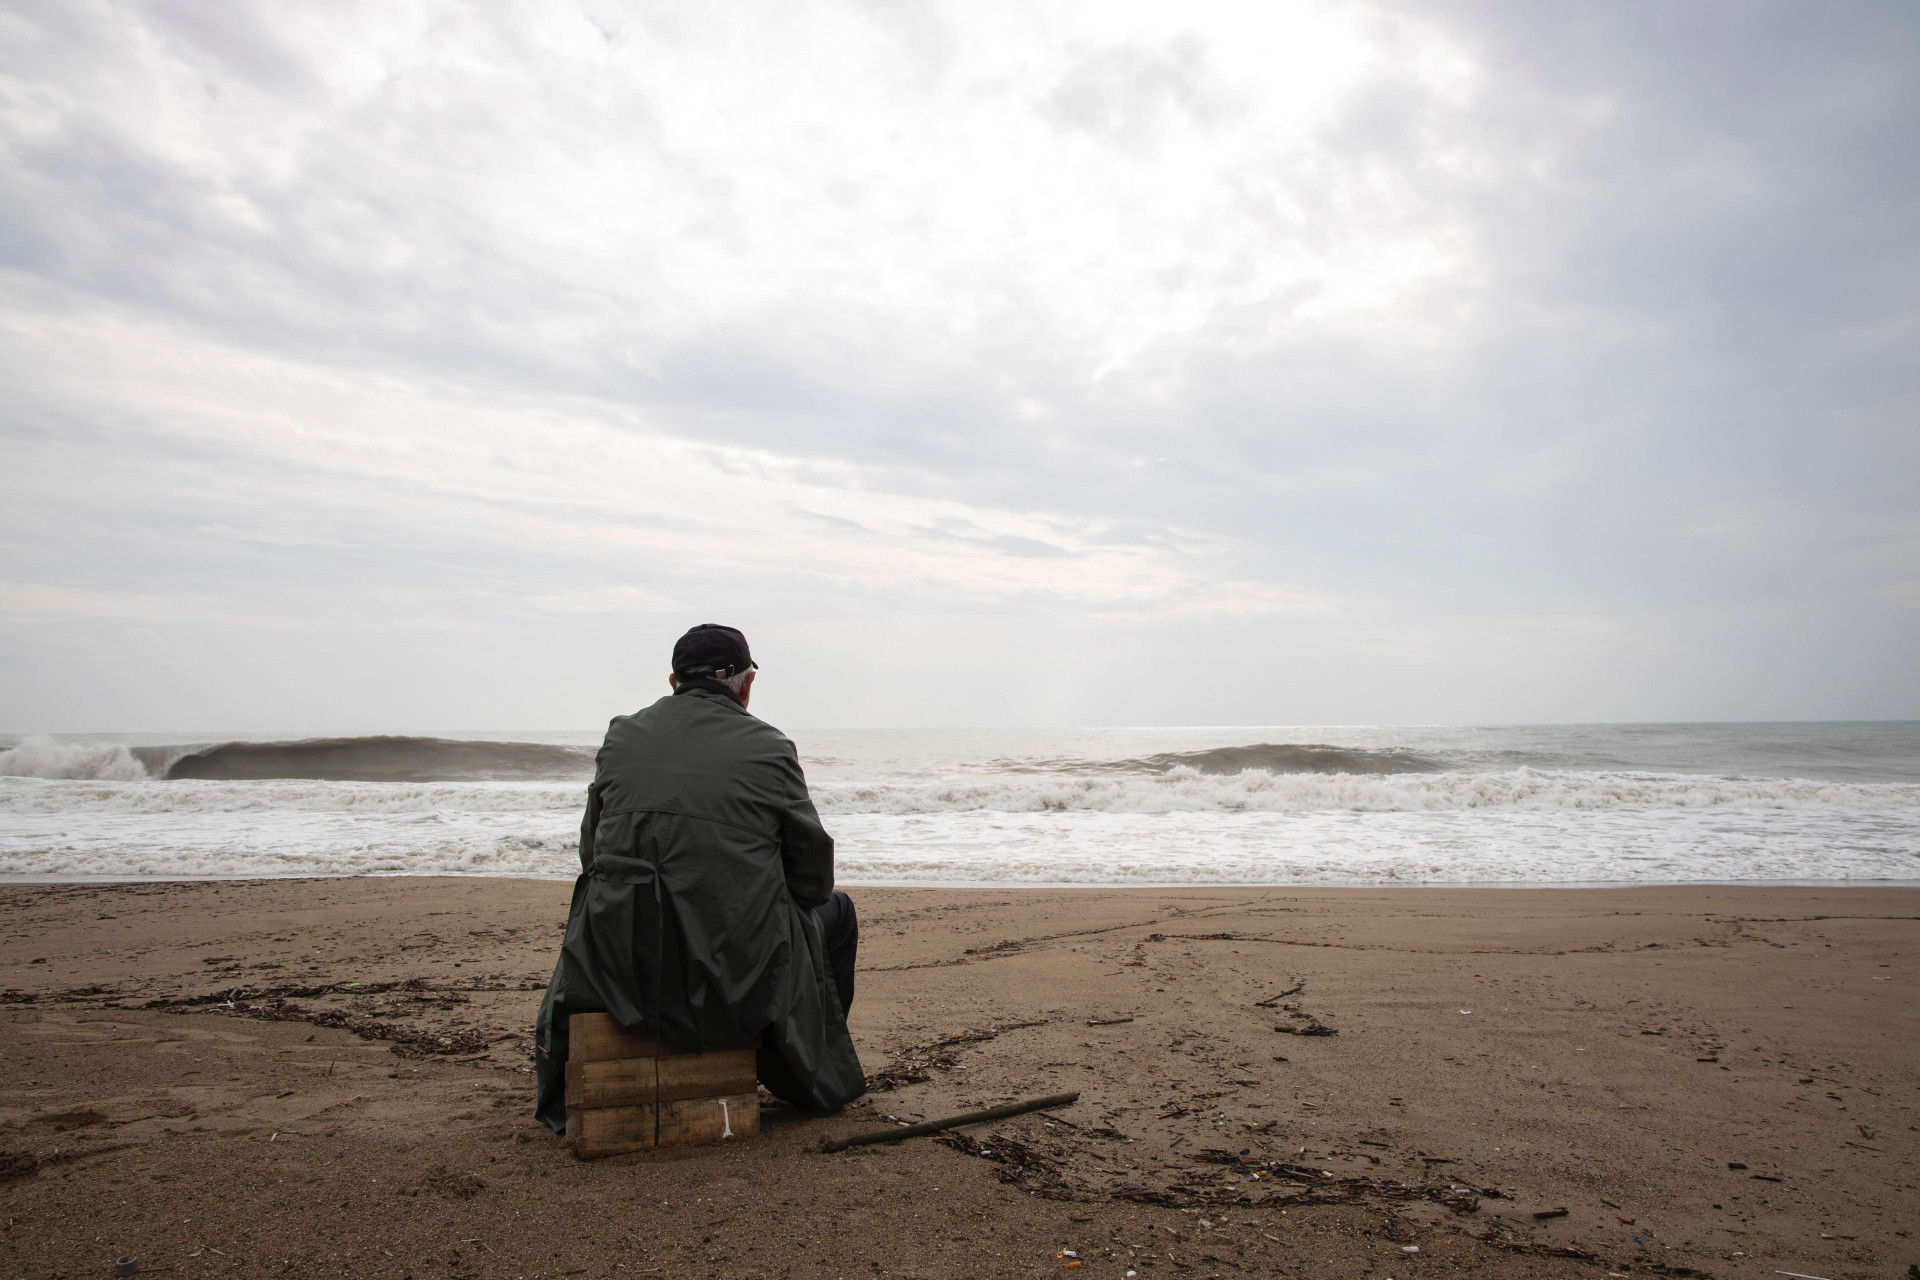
x,y
1562,355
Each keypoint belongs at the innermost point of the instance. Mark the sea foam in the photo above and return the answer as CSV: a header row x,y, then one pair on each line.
x,y
1187,790
1179,791
1527,804
1249,828
42,757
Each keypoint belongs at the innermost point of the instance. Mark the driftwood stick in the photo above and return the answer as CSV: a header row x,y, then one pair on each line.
x,y
951,1122
1294,990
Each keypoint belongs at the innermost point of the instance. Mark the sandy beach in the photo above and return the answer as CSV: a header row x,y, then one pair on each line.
x,y
330,1077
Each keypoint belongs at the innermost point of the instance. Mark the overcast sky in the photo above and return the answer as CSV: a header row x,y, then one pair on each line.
x,y
390,366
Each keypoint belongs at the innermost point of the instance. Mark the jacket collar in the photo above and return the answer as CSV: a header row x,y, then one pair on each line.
x,y
689,683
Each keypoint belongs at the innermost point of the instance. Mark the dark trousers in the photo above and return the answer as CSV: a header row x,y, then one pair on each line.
x,y
842,930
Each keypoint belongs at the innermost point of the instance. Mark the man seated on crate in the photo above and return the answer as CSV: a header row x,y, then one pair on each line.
x,y
705,915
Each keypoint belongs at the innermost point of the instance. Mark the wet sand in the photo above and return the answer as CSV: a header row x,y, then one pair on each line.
x,y
1716,1081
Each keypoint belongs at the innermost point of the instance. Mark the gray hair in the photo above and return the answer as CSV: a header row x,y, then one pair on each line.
x,y
735,682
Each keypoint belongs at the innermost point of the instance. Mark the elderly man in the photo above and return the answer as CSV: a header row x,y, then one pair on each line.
x,y
705,914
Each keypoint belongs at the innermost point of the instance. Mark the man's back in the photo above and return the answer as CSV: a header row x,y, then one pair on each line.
x,y
693,920
699,762
700,805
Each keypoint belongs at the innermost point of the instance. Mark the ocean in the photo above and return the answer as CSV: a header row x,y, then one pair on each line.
x,y
1529,804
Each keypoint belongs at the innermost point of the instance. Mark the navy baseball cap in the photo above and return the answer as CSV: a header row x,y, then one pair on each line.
x,y
712,650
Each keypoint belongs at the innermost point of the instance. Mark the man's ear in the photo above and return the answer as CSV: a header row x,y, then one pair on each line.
x,y
746,687
673,682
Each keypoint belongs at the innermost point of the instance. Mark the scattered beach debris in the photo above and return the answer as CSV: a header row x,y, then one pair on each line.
x,y
916,1064
17,1164
1304,1024
1279,1183
1543,1214
1307,1026
1108,1022
1021,1165
1006,1112
276,1003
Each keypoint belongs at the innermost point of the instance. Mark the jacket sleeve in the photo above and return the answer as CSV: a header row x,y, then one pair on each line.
x,y
588,823
806,850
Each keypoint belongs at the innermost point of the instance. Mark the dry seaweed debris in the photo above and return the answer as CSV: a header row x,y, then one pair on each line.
x,y
98,994
1021,1165
916,1064
1304,1024
276,1004
1293,1184
1255,1182
408,1042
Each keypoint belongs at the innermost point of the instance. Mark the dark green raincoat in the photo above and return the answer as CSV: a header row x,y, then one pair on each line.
x,y
703,861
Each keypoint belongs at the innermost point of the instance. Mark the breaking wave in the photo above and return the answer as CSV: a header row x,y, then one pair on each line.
x,y
1262,757
381,759
419,759
290,795
1181,790
46,758
376,759
1406,830
1186,790
1545,805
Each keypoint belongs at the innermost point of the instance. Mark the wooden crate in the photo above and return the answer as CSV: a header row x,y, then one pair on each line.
x,y
692,1121
596,1037
606,1131
623,1094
